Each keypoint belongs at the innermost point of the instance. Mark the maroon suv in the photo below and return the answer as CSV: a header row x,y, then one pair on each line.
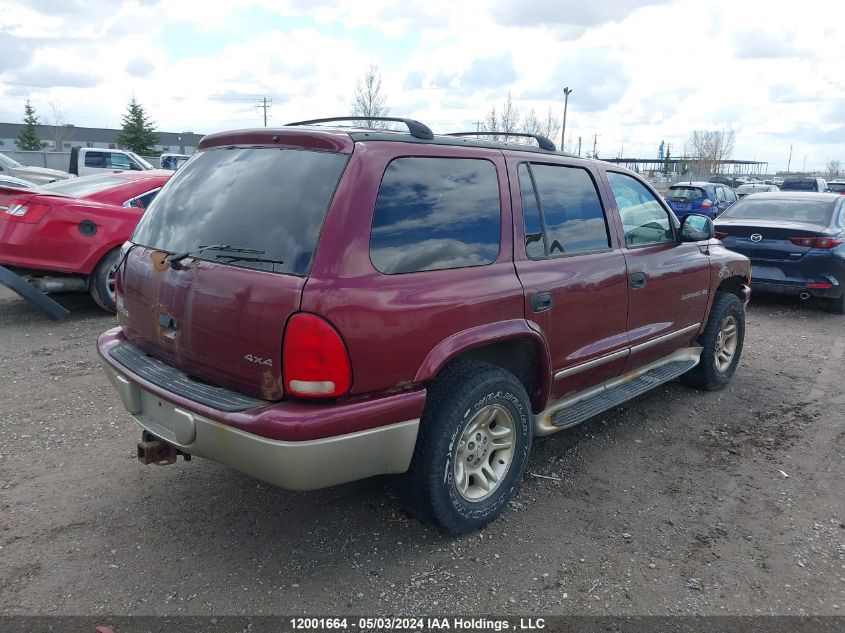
x,y
313,305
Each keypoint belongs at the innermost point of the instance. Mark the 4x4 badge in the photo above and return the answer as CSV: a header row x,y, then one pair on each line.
x,y
258,360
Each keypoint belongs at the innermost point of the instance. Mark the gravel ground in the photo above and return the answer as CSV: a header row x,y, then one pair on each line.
x,y
678,502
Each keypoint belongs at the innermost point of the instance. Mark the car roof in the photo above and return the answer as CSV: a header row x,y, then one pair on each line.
x,y
697,183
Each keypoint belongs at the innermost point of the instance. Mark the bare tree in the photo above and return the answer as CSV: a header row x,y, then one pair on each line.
x,y
509,119
834,167
707,148
551,126
531,124
491,122
58,130
370,99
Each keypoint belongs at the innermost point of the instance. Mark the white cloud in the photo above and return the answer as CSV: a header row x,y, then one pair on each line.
x,y
641,71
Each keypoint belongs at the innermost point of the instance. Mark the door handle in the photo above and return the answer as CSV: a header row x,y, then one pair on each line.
x,y
637,280
541,301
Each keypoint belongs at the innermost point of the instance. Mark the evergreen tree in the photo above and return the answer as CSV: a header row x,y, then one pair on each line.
x,y
27,140
138,134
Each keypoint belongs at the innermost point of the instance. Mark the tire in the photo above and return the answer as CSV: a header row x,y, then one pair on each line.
x,y
101,281
837,306
717,364
440,487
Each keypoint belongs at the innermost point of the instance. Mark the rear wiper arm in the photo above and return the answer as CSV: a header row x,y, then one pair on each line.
x,y
175,258
236,258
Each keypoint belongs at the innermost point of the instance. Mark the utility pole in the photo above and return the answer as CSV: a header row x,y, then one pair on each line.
x,y
579,146
265,105
790,158
595,142
566,92
804,166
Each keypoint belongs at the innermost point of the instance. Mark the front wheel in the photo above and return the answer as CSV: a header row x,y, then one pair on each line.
x,y
722,342
472,448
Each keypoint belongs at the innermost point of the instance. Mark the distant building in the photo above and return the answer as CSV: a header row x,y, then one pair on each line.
x,y
73,136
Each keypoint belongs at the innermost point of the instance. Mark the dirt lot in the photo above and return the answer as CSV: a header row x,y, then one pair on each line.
x,y
677,502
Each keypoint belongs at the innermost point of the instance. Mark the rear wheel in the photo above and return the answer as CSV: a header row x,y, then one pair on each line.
x,y
722,341
101,284
837,306
472,448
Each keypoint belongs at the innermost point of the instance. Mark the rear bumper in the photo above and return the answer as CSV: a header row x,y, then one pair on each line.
x,y
795,278
278,455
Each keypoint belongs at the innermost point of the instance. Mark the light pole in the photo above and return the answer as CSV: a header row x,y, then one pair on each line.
x,y
804,166
566,92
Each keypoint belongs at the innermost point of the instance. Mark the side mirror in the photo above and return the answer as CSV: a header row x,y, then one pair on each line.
x,y
697,228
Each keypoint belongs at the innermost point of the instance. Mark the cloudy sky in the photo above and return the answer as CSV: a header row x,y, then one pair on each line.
x,y
641,71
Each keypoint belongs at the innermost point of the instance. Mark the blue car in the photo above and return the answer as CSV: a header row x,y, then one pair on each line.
x,y
704,198
795,241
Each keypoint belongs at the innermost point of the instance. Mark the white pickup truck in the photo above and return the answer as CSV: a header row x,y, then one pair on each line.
x,y
96,160
35,175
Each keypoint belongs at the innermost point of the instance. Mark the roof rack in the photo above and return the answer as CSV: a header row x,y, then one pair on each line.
x,y
417,129
542,141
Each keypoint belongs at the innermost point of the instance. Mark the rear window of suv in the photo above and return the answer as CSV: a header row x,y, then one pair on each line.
x,y
686,193
436,213
266,199
799,184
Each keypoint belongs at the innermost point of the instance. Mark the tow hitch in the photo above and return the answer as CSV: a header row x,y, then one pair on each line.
x,y
152,450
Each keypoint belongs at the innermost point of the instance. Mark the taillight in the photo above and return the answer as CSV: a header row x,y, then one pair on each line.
x,y
820,286
706,204
720,235
816,242
315,363
24,211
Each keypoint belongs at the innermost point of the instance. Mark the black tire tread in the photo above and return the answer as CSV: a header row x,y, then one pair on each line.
x,y
704,375
99,279
418,487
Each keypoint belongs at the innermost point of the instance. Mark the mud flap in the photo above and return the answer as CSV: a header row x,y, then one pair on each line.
x,y
32,294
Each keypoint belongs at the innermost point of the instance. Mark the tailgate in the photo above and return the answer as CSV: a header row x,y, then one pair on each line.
x,y
221,324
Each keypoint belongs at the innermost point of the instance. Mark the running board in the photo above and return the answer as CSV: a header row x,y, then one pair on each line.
x,y
584,405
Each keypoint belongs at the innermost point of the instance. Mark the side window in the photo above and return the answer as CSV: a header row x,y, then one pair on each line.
x,y
95,159
536,240
720,194
643,219
142,201
118,161
730,196
562,212
436,213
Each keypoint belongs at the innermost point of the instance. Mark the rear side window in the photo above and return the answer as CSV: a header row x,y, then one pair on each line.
x,y
561,211
260,198
436,213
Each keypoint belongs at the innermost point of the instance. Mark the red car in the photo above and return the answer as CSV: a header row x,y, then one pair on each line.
x,y
65,236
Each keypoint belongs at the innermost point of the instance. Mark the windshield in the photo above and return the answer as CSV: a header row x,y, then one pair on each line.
x,y
265,199
9,162
141,160
686,193
84,186
812,211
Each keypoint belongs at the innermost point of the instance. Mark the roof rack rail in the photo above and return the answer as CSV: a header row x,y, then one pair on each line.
x,y
542,141
417,129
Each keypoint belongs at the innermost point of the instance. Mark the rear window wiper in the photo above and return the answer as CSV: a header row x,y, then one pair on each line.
x,y
230,259
175,258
